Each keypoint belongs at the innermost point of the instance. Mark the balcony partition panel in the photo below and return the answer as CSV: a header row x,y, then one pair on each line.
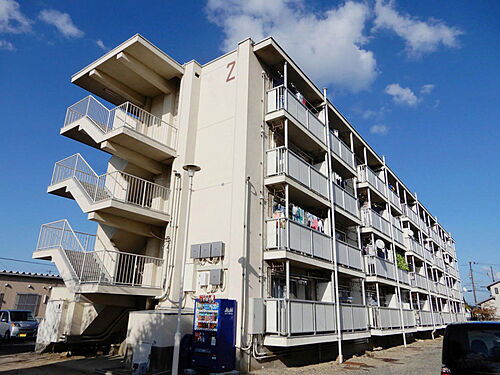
x,y
370,218
345,200
365,174
340,149
386,318
353,317
380,267
303,239
283,161
282,98
394,199
409,318
349,256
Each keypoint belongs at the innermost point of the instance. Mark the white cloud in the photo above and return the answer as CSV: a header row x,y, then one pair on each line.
x,y
401,95
6,45
379,129
101,45
420,37
327,45
427,89
62,22
12,20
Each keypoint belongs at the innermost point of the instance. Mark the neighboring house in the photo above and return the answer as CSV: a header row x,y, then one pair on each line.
x,y
27,291
494,300
293,214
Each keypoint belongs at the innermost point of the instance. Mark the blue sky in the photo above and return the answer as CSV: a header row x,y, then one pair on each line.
x,y
417,79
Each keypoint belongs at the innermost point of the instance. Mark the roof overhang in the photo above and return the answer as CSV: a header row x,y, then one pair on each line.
x,y
133,71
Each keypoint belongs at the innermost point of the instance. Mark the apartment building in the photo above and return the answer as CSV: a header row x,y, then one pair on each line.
x,y
293,214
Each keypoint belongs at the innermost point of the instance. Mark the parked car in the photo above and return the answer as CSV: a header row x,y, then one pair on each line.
x,y
471,349
17,323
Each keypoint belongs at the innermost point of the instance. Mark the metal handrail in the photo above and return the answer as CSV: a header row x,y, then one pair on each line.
x,y
125,115
117,185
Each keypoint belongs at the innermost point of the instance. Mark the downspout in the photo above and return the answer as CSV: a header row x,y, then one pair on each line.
x,y
333,241
398,289
244,274
173,242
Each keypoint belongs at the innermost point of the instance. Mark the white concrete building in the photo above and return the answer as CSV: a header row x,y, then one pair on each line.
x,y
293,214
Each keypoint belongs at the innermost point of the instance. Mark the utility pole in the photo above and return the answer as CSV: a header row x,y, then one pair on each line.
x,y
492,274
473,285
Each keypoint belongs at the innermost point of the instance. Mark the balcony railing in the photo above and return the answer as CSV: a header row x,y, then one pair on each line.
x,y
281,98
115,185
398,235
283,161
394,199
353,317
302,239
370,218
365,174
91,266
442,289
424,318
349,256
411,214
418,281
404,276
294,317
439,261
345,200
376,266
126,115
414,246
343,151
386,318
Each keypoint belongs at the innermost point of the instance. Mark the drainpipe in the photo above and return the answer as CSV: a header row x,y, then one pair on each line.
x,y
173,242
398,289
333,242
244,274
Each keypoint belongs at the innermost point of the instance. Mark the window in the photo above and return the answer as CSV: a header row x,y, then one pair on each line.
x,y
25,301
496,291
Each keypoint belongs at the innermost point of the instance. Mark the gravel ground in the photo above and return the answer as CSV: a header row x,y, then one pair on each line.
x,y
420,357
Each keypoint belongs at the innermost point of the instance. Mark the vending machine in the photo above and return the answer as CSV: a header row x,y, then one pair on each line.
x,y
214,334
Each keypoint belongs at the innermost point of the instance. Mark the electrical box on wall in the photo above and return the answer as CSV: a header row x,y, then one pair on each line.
x,y
208,250
203,278
205,250
216,276
257,316
217,249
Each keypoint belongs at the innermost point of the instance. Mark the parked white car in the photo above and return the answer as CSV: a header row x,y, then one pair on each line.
x,y
17,323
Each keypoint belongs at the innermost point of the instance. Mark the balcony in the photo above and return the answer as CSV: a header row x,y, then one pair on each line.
x,y
349,256
438,261
345,201
343,153
114,193
284,235
418,281
289,320
298,317
387,318
127,125
442,289
414,246
85,270
397,232
395,201
376,266
403,277
424,318
283,162
280,98
411,214
370,218
366,175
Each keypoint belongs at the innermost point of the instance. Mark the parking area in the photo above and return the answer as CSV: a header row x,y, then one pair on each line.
x,y
422,357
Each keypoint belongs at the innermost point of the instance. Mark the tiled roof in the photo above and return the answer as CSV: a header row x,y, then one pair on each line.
x,y
29,274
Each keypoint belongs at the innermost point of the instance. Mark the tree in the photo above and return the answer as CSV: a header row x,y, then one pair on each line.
x,y
483,313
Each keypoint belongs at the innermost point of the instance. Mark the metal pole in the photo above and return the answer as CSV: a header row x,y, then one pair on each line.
x,y
177,336
492,274
473,285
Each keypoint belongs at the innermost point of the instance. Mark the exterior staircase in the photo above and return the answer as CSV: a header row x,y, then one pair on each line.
x,y
85,270
127,125
116,193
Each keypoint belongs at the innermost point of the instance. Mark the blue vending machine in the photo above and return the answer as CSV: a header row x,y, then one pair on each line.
x,y
214,335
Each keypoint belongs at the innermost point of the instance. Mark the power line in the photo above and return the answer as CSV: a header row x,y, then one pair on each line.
x,y
27,261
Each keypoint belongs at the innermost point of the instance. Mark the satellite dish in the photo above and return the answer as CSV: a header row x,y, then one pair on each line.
x,y
380,244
